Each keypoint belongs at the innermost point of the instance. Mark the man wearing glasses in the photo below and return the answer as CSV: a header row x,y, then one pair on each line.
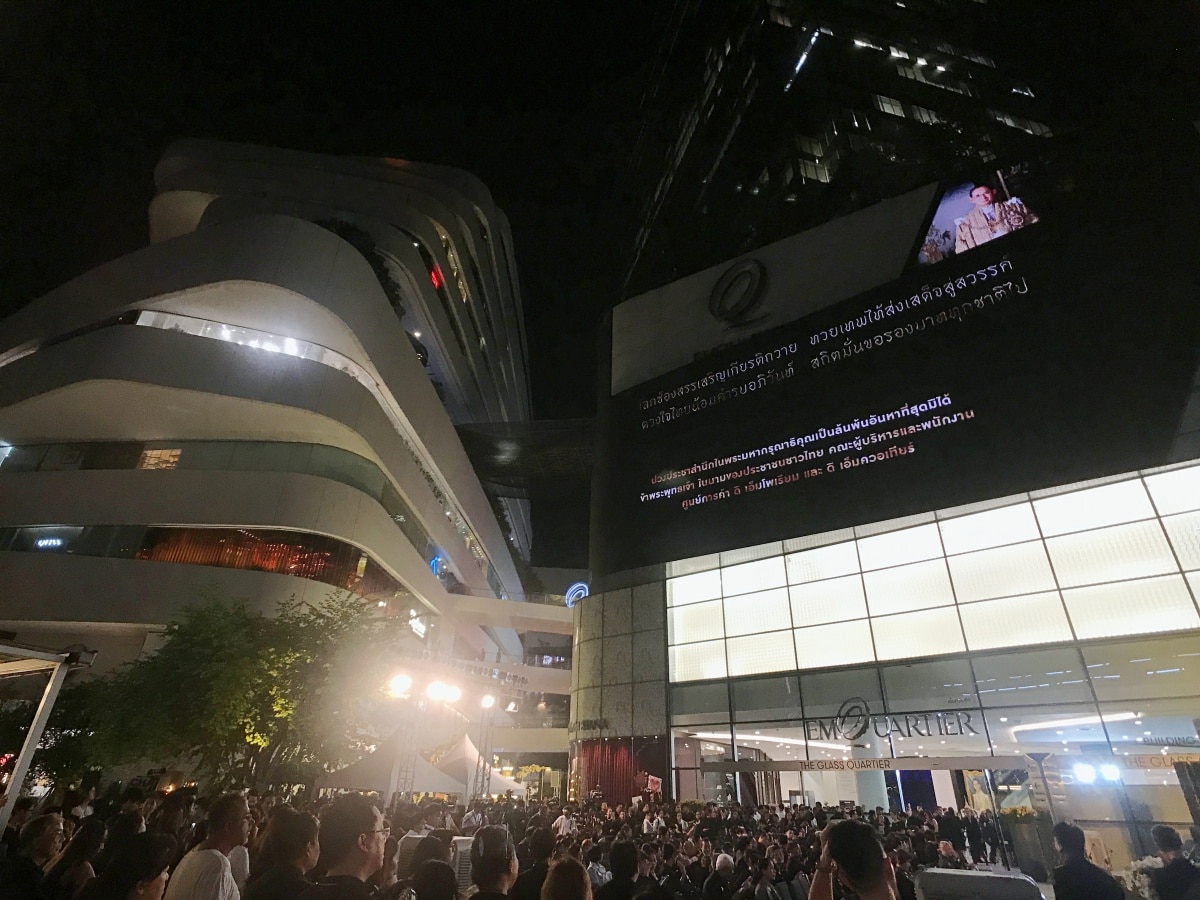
x,y
352,836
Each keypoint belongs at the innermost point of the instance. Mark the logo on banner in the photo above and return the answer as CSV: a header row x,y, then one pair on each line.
x,y
738,294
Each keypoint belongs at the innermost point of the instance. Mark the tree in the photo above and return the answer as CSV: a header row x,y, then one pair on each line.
x,y
251,699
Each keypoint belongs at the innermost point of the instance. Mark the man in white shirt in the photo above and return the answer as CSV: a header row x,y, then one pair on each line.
x,y
564,825
205,873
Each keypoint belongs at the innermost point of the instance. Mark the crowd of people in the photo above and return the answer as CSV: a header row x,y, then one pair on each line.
x,y
246,846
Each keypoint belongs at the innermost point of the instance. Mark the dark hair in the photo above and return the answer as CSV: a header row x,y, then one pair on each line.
x,y
84,847
541,843
133,794
429,848
492,853
856,848
1070,838
567,880
224,811
121,828
434,879
595,853
623,861
36,827
286,838
342,822
141,858
984,184
1166,838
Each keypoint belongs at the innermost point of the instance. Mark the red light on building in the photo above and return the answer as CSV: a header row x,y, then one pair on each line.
x,y
435,276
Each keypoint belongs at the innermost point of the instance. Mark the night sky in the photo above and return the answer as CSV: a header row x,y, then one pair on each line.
x,y
538,98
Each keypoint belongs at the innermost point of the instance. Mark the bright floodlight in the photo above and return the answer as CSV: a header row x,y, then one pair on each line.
x,y
453,694
1109,772
1085,773
447,693
399,685
488,701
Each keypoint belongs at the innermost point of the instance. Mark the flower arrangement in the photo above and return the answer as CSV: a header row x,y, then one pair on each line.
x,y
1137,877
1019,812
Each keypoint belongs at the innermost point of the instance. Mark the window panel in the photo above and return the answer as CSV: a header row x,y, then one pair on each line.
x,y
699,703
918,586
777,697
1030,677
1001,572
1134,670
694,588
925,633
1184,532
834,600
760,653
1110,504
994,528
1175,492
1131,607
943,684
897,547
757,613
695,622
754,576
696,662
1015,621
841,644
1111,554
695,564
822,562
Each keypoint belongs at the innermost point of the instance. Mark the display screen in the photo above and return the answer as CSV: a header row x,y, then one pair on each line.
x,y
1046,333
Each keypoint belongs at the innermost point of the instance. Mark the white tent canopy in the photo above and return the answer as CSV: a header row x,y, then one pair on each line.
x,y
460,761
375,771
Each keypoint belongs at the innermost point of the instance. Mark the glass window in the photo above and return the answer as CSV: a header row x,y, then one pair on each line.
x,y
840,644
777,697
159,459
904,588
127,541
834,600
47,538
6,536
1003,571
754,576
825,692
925,633
994,528
1015,621
1175,492
695,622
25,459
1031,676
1111,554
756,613
63,457
1110,504
748,554
759,653
694,588
1131,607
1135,670
208,455
699,703
1058,728
822,562
112,455
695,564
943,684
897,547
698,662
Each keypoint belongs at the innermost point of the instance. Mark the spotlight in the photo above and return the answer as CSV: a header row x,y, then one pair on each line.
x,y
488,701
1085,774
399,685
1109,772
447,693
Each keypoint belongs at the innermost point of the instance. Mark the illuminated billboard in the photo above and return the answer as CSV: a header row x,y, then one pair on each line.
x,y
1046,333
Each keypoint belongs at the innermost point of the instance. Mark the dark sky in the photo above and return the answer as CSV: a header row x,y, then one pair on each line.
x,y
537,98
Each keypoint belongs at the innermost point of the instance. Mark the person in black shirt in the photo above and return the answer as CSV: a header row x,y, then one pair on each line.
x,y
1177,876
493,863
290,849
529,883
1076,878
352,838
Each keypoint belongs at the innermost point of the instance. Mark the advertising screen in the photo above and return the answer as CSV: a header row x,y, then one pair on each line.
x,y
1045,333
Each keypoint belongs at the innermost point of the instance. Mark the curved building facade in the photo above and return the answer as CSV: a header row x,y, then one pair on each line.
x,y
265,399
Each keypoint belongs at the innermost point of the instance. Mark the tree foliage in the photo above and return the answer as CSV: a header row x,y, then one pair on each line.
x,y
237,697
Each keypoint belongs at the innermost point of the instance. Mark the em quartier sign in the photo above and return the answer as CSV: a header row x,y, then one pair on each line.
x,y
854,719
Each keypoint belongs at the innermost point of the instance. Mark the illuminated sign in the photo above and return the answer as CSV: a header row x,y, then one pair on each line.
x,y
48,543
853,720
575,593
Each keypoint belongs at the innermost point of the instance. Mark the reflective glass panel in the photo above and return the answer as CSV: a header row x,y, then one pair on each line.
x,y
754,576
840,644
695,622
994,528
926,633
822,562
761,653
694,588
755,613
1110,504
1111,554
696,662
1015,621
1015,569
905,588
1175,492
833,600
898,547
1131,607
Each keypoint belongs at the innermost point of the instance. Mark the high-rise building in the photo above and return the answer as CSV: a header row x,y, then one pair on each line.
x,y
766,117
265,399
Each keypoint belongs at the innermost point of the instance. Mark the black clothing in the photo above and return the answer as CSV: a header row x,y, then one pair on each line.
x,y
906,886
277,883
20,878
1174,879
529,883
338,887
718,887
614,890
1078,879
